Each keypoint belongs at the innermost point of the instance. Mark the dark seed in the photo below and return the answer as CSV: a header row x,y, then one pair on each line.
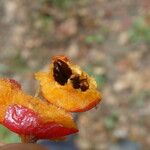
x,y
79,84
62,72
75,81
84,85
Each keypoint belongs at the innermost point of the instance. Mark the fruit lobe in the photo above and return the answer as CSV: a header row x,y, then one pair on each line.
x,y
25,121
66,86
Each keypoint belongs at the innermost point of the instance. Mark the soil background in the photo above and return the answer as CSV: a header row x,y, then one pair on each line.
x,y
110,39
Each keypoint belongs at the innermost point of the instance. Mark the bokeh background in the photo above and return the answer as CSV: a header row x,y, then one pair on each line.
x,y
110,39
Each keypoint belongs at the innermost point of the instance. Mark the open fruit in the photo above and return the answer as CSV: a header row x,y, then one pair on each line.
x,y
67,86
31,117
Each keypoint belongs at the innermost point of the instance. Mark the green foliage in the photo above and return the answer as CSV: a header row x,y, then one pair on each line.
x,y
140,98
94,39
111,121
140,31
58,3
100,79
62,3
98,38
16,64
3,68
46,24
8,136
19,64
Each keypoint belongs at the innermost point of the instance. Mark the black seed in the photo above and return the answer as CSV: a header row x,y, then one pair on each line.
x,y
79,84
84,85
75,81
62,72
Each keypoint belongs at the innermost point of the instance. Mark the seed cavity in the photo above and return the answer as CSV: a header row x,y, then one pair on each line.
x,y
62,72
79,83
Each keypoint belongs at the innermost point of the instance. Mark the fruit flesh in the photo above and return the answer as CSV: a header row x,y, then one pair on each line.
x,y
42,116
75,95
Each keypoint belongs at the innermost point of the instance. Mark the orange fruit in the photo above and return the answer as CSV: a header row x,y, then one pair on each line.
x,y
67,86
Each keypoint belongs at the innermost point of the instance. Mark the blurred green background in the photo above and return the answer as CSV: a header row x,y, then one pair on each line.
x,y
109,39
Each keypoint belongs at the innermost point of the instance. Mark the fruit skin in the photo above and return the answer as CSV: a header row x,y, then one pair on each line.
x,y
29,116
88,107
25,122
67,96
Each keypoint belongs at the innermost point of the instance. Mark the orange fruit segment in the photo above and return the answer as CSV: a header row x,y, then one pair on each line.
x,y
31,116
67,86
